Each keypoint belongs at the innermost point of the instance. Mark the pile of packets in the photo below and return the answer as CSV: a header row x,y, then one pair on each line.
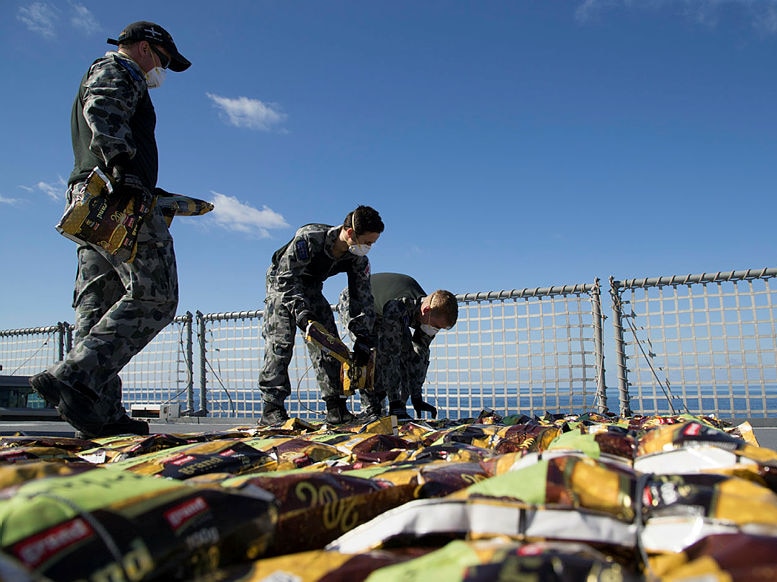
x,y
562,497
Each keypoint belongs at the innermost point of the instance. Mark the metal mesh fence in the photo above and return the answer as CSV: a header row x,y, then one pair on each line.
x,y
24,352
526,351
699,343
231,354
162,373
530,352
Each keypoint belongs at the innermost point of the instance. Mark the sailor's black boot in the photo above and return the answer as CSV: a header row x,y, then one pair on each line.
x,y
374,407
337,411
273,414
399,409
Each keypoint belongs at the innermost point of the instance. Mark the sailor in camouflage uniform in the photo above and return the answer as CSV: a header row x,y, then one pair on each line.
x,y
407,321
119,307
295,281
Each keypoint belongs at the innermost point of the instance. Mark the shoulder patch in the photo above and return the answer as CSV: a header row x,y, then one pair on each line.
x,y
301,250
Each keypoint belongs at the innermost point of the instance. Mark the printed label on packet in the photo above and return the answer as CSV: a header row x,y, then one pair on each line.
x,y
37,549
182,514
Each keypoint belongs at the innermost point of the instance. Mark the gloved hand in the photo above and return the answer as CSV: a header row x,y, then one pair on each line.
x,y
304,319
125,182
361,351
421,406
119,167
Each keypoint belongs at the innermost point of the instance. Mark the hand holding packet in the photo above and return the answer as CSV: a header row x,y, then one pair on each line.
x,y
102,214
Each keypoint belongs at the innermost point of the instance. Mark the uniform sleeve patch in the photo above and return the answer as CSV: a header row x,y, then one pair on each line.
x,y
301,249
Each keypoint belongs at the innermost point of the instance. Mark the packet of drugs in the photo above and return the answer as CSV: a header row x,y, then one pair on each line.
x,y
97,215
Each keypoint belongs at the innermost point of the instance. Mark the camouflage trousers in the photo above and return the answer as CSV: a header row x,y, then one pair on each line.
x,y
400,363
278,331
119,308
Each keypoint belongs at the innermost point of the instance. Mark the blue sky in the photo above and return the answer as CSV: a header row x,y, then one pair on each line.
x,y
507,144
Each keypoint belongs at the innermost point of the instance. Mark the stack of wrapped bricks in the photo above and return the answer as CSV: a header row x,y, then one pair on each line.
x,y
562,497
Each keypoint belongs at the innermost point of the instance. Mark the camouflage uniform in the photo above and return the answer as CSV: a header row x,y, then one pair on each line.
x,y
402,358
119,307
295,282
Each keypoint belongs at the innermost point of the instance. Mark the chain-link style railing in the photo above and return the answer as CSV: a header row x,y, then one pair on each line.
x,y
231,353
24,352
524,351
529,351
702,343
697,343
532,351
163,372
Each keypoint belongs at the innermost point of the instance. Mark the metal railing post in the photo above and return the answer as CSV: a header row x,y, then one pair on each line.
x,y
598,319
203,411
189,362
68,338
61,327
620,351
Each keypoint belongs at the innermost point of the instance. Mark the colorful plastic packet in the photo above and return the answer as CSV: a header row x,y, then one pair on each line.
x,y
315,507
427,521
678,510
693,446
314,566
488,560
186,461
99,524
724,557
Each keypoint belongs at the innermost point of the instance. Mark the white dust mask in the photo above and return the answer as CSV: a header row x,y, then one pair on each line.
x,y
155,77
359,250
429,330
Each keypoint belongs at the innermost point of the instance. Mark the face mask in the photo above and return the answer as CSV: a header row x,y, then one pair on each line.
x,y
155,77
359,250
429,330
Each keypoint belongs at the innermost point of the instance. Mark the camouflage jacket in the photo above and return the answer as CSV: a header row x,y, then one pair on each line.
x,y
113,114
305,262
399,297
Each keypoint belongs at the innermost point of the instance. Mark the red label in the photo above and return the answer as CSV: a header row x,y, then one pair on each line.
x,y
693,429
39,548
179,515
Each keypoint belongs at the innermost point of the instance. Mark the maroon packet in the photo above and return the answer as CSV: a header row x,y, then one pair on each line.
x,y
381,448
741,557
318,506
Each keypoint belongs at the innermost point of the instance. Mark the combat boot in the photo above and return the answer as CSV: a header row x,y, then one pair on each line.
x,y
374,409
337,411
273,414
399,409
74,404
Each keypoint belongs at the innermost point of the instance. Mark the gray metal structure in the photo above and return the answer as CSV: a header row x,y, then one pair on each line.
x,y
697,343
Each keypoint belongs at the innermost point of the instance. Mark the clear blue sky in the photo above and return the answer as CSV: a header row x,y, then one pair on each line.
x,y
507,144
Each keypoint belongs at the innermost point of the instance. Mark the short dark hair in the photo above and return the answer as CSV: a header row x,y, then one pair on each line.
x,y
364,219
445,303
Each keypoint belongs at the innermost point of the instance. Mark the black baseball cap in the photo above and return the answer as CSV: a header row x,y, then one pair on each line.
x,y
155,34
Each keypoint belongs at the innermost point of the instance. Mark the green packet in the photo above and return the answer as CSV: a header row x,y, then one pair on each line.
x,y
103,524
